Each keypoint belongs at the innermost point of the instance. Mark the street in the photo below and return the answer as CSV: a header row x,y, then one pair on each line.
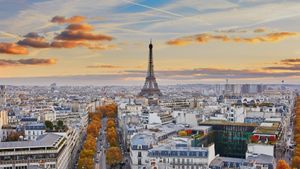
x,y
284,145
100,158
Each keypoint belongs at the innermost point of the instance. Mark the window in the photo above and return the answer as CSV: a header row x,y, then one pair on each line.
x,y
139,154
173,153
164,153
193,154
183,153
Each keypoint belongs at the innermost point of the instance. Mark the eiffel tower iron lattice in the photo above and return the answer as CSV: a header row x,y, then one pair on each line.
x,y
150,87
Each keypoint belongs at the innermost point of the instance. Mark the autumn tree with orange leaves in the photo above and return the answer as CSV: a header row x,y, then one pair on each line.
x,y
113,156
281,164
296,154
86,157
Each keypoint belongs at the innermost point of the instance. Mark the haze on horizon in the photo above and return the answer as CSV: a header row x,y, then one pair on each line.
x,y
106,42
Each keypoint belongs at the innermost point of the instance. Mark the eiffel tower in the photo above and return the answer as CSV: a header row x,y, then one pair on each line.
x,y
150,88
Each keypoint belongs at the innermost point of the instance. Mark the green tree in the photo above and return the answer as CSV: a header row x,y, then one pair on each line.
x,y
49,125
60,124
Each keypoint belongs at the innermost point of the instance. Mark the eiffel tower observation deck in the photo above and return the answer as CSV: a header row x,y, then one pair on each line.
x,y
150,88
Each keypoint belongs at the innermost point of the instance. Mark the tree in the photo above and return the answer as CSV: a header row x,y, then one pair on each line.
x,y
92,129
49,125
281,164
296,154
113,142
189,132
182,133
110,123
111,133
113,156
254,138
14,136
86,159
296,162
272,138
60,124
90,143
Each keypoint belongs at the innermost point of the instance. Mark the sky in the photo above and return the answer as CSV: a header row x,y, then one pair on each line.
x,y
100,42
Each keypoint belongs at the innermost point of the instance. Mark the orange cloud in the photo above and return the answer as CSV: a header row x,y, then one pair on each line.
x,y
73,19
76,34
12,48
290,61
286,65
32,39
73,44
206,37
23,62
179,42
66,44
259,30
277,36
100,46
80,35
80,27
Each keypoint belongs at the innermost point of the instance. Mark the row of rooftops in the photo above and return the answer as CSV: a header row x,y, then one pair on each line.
x,y
268,127
151,136
220,162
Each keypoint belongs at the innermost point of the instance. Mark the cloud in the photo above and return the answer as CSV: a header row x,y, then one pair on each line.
x,y
259,30
75,35
12,48
80,27
23,62
73,19
73,44
215,73
104,66
291,61
34,40
179,42
231,31
286,65
206,37
66,44
79,35
287,68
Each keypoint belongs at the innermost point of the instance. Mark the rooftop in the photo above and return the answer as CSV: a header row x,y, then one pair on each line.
x,y
142,139
223,122
46,140
268,128
35,126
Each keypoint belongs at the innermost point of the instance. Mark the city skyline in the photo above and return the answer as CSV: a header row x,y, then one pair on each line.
x,y
105,43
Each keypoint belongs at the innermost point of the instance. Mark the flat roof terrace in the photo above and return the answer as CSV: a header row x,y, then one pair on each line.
x,y
47,140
